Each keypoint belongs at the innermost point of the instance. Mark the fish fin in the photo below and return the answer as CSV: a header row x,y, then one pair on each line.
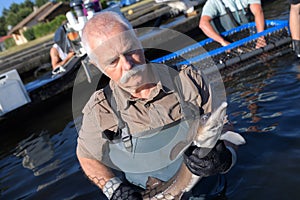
x,y
178,149
233,137
153,183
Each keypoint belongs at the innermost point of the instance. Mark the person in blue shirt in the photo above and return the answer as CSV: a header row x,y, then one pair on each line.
x,y
223,15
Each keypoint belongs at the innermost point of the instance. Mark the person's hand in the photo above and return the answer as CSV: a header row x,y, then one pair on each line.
x,y
71,53
127,192
218,160
261,42
224,43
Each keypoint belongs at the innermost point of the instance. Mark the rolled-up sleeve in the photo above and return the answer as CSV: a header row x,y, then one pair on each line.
x,y
254,2
210,9
90,141
195,89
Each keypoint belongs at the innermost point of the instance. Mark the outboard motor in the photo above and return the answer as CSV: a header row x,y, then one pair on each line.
x,y
76,24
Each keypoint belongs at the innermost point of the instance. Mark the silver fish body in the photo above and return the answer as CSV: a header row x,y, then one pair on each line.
x,y
208,132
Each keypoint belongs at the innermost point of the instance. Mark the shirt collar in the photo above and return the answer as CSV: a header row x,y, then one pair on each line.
x,y
124,99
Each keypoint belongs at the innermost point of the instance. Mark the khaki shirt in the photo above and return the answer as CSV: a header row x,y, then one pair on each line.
x,y
160,109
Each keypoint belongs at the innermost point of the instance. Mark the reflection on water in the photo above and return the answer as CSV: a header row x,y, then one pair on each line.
x,y
36,152
38,161
44,166
264,104
249,92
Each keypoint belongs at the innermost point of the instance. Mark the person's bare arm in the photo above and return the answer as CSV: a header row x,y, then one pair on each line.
x,y
55,59
258,13
97,172
209,30
69,56
294,21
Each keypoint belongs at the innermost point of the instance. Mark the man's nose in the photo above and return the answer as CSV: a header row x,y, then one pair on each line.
x,y
126,62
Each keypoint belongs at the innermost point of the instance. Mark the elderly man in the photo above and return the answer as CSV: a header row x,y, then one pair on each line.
x,y
127,122
223,15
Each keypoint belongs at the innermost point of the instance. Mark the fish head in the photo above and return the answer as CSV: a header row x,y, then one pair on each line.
x,y
210,127
204,131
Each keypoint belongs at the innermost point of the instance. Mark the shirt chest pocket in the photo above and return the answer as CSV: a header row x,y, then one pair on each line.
x,y
145,116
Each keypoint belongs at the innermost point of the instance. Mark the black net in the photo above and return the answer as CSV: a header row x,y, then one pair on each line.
x,y
246,54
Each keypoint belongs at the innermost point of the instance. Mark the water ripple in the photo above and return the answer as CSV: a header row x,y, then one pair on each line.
x,y
267,96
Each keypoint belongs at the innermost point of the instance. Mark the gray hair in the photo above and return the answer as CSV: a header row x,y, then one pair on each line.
x,y
100,25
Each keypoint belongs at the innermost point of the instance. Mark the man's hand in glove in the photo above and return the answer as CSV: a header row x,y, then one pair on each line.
x,y
218,160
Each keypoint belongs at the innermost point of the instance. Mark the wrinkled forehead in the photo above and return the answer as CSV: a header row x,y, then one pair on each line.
x,y
111,46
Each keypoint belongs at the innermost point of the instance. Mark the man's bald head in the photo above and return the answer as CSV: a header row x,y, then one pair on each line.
x,y
101,27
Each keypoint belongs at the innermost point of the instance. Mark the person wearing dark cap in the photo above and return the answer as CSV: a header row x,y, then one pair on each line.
x,y
61,51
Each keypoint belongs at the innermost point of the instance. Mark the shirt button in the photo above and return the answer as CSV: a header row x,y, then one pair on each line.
x,y
147,105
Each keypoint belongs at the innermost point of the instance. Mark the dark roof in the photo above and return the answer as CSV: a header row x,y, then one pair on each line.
x,y
52,9
30,17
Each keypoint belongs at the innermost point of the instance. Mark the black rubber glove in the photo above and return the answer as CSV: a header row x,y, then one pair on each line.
x,y
218,160
127,192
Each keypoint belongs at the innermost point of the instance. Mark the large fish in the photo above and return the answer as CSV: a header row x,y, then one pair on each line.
x,y
208,132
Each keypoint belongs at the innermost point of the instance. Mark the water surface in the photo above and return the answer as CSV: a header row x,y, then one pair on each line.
x,y
37,155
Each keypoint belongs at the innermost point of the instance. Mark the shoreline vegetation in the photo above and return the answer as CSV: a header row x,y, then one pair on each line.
x,y
19,48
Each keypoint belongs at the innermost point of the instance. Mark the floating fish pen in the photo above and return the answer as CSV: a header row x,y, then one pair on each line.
x,y
242,53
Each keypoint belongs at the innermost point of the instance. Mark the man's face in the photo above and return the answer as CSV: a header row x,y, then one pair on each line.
x,y
122,59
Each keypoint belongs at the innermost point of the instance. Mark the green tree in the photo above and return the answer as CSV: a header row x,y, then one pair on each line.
x,y
5,12
27,4
9,42
39,3
3,28
29,34
23,13
14,8
12,19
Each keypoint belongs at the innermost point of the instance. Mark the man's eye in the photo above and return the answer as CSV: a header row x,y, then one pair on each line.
x,y
113,63
130,53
